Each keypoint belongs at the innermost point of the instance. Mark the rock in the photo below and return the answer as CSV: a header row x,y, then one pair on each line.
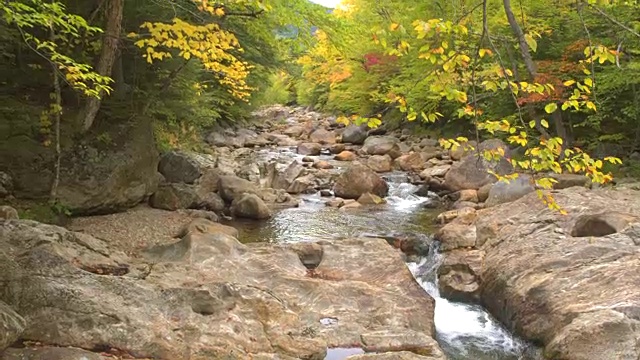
x,y
380,163
460,233
502,192
208,182
232,187
601,224
283,180
301,184
174,196
313,149
381,145
423,191
307,159
6,185
294,131
461,204
337,148
410,162
321,164
12,326
179,167
382,341
483,192
468,195
346,156
472,172
212,202
8,213
336,203
561,290
326,193
204,290
463,150
435,171
459,275
51,353
357,180
350,205
371,199
323,136
568,180
250,206
354,134
395,355
449,216
428,143
201,214
204,226
249,172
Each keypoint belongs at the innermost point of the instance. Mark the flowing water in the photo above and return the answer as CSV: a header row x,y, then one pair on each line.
x,y
465,332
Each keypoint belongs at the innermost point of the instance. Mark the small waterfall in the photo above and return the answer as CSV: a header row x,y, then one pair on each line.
x,y
467,331
402,196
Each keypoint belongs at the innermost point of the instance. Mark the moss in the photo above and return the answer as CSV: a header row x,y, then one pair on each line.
x,y
40,210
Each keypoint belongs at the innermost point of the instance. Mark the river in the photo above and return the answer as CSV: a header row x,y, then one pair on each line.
x,y
465,332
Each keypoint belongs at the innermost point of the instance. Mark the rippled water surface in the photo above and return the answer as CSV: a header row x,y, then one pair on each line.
x,y
465,332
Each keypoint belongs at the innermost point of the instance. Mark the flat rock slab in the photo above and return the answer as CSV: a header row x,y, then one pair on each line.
x,y
207,296
579,294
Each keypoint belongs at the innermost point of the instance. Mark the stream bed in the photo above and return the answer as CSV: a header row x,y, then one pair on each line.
x,y
465,332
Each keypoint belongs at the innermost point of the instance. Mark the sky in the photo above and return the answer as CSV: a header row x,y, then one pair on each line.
x,y
327,3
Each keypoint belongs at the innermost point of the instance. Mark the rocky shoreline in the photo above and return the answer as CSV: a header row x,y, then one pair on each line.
x,y
182,285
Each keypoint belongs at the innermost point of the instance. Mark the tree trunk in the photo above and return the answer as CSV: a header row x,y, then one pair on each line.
x,y
524,47
108,55
56,111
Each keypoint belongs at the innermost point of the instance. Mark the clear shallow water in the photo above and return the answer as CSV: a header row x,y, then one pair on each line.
x,y
465,332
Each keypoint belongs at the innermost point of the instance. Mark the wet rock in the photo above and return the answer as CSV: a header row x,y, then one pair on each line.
x,y
249,172
174,196
473,172
284,179
380,163
322,165
561,290
370,199
337,148
307,159
346,156
179,167
323,136
410,162
354,134
294,131
232,187
460,274
250,206
502,192
8,213
423,191
382,341
312,149
381,145
357,180
396,355
11,326
349,205
435,171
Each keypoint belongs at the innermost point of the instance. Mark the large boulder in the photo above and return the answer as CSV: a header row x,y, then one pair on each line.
x,y
175,196
410,162
192,297
233,187
250,206
568,282
112,168
179,167
354,134
472,172
284,179
382,145
11,326
358,179
503,192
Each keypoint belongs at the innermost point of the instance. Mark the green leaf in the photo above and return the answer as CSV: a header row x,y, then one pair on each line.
x,y
531,42
551,107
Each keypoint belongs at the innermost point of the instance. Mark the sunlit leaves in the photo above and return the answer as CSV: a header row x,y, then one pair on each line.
x,y
209,44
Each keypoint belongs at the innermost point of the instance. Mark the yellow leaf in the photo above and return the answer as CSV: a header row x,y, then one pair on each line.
x,y
544,123
393,26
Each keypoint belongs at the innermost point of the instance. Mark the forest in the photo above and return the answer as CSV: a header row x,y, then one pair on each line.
x,y
555,79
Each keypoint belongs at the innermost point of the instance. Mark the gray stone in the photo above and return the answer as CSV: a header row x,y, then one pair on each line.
x,y
502,192
250,206
179,167
11,326
354,134
312,149
357,180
